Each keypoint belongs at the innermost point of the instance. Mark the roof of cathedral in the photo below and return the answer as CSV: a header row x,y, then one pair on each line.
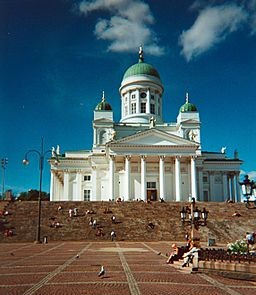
x,y
141,68
103,105
188,107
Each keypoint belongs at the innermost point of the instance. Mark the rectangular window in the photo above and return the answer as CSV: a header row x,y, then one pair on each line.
x,y
205,179
152,108
151,184
87,195
87,178
133,96
152,97
133,108
143,107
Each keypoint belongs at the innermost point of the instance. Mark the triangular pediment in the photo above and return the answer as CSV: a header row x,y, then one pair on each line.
x,y
152,138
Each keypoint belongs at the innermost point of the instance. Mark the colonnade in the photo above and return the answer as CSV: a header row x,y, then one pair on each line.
x,y
143,182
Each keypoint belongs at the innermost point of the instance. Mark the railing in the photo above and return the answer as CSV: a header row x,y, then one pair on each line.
x,y
225,256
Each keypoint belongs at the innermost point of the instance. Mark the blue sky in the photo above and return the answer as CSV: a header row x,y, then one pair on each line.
x,y
56,58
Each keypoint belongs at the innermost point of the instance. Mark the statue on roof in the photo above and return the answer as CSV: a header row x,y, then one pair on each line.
x,y
152,122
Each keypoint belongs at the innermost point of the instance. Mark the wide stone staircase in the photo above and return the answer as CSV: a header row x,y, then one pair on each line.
x,y
135,221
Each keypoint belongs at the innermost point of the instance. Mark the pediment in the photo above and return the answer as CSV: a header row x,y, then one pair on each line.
x,y
152,138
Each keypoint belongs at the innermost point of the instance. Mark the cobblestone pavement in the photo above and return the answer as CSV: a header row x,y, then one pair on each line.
x,y
132,268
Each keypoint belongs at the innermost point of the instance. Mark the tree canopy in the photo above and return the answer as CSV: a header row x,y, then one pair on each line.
x,y
32,195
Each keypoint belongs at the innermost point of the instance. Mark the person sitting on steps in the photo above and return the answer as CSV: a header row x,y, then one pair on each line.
x,y
175,255
188,256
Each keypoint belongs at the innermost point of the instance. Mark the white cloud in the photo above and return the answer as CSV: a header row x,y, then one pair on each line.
x,y
212,26
127,28
252,175
251,5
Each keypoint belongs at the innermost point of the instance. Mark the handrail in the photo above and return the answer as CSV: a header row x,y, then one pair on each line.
x,y
226,256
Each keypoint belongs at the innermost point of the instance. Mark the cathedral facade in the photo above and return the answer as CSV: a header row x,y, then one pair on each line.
x,y
141,157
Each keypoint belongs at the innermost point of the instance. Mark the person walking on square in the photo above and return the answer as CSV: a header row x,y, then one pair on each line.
x,y
112,235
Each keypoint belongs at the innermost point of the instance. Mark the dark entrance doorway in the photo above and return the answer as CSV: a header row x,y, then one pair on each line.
x,y
151,195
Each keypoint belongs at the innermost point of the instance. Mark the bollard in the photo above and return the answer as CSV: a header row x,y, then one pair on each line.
x,y
45,239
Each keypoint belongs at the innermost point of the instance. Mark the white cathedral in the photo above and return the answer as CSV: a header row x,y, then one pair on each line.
x,y
141,157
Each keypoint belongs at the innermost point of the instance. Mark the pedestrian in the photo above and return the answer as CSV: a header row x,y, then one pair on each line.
x,y
70,211
113,219
112,235
94,223
75,211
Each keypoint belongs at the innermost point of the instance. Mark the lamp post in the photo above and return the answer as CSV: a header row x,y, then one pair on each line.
x,y
4,162
248,189
195,218
41,154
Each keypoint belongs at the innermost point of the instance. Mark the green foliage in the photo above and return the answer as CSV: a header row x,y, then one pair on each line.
x,y
32,195
238,247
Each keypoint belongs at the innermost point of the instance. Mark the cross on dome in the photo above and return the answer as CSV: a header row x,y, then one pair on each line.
x,y
141,55
186,97
103,96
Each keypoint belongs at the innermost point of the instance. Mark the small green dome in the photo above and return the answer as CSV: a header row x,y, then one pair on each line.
x,y
141,68
188,107
103,105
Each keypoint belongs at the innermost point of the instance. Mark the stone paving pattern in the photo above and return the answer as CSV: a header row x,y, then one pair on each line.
x,y
132,268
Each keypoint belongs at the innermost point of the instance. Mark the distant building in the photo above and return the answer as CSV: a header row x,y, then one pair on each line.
x,y
141,156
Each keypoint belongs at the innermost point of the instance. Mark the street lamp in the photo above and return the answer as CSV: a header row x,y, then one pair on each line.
x,y
248,189
4,162
41,154
195,217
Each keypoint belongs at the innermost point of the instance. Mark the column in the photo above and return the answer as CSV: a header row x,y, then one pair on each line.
x,y
193,178
200,184
78,196
148,102
111,177
232,188
52,187
95,195
161,178
127,177
66,186
229,188
128,105
94,136
143,178
177,178
137,101
237,188
211,185
225,187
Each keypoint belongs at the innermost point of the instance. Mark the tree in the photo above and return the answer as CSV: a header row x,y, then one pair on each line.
x,y
32,195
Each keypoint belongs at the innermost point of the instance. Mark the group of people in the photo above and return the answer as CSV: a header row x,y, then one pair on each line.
x,y
73,212
186,253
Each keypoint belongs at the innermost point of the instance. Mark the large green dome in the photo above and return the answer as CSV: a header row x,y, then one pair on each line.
x,y
103,105
141,68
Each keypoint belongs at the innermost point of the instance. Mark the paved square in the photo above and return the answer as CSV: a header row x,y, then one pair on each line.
x,y
137,268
